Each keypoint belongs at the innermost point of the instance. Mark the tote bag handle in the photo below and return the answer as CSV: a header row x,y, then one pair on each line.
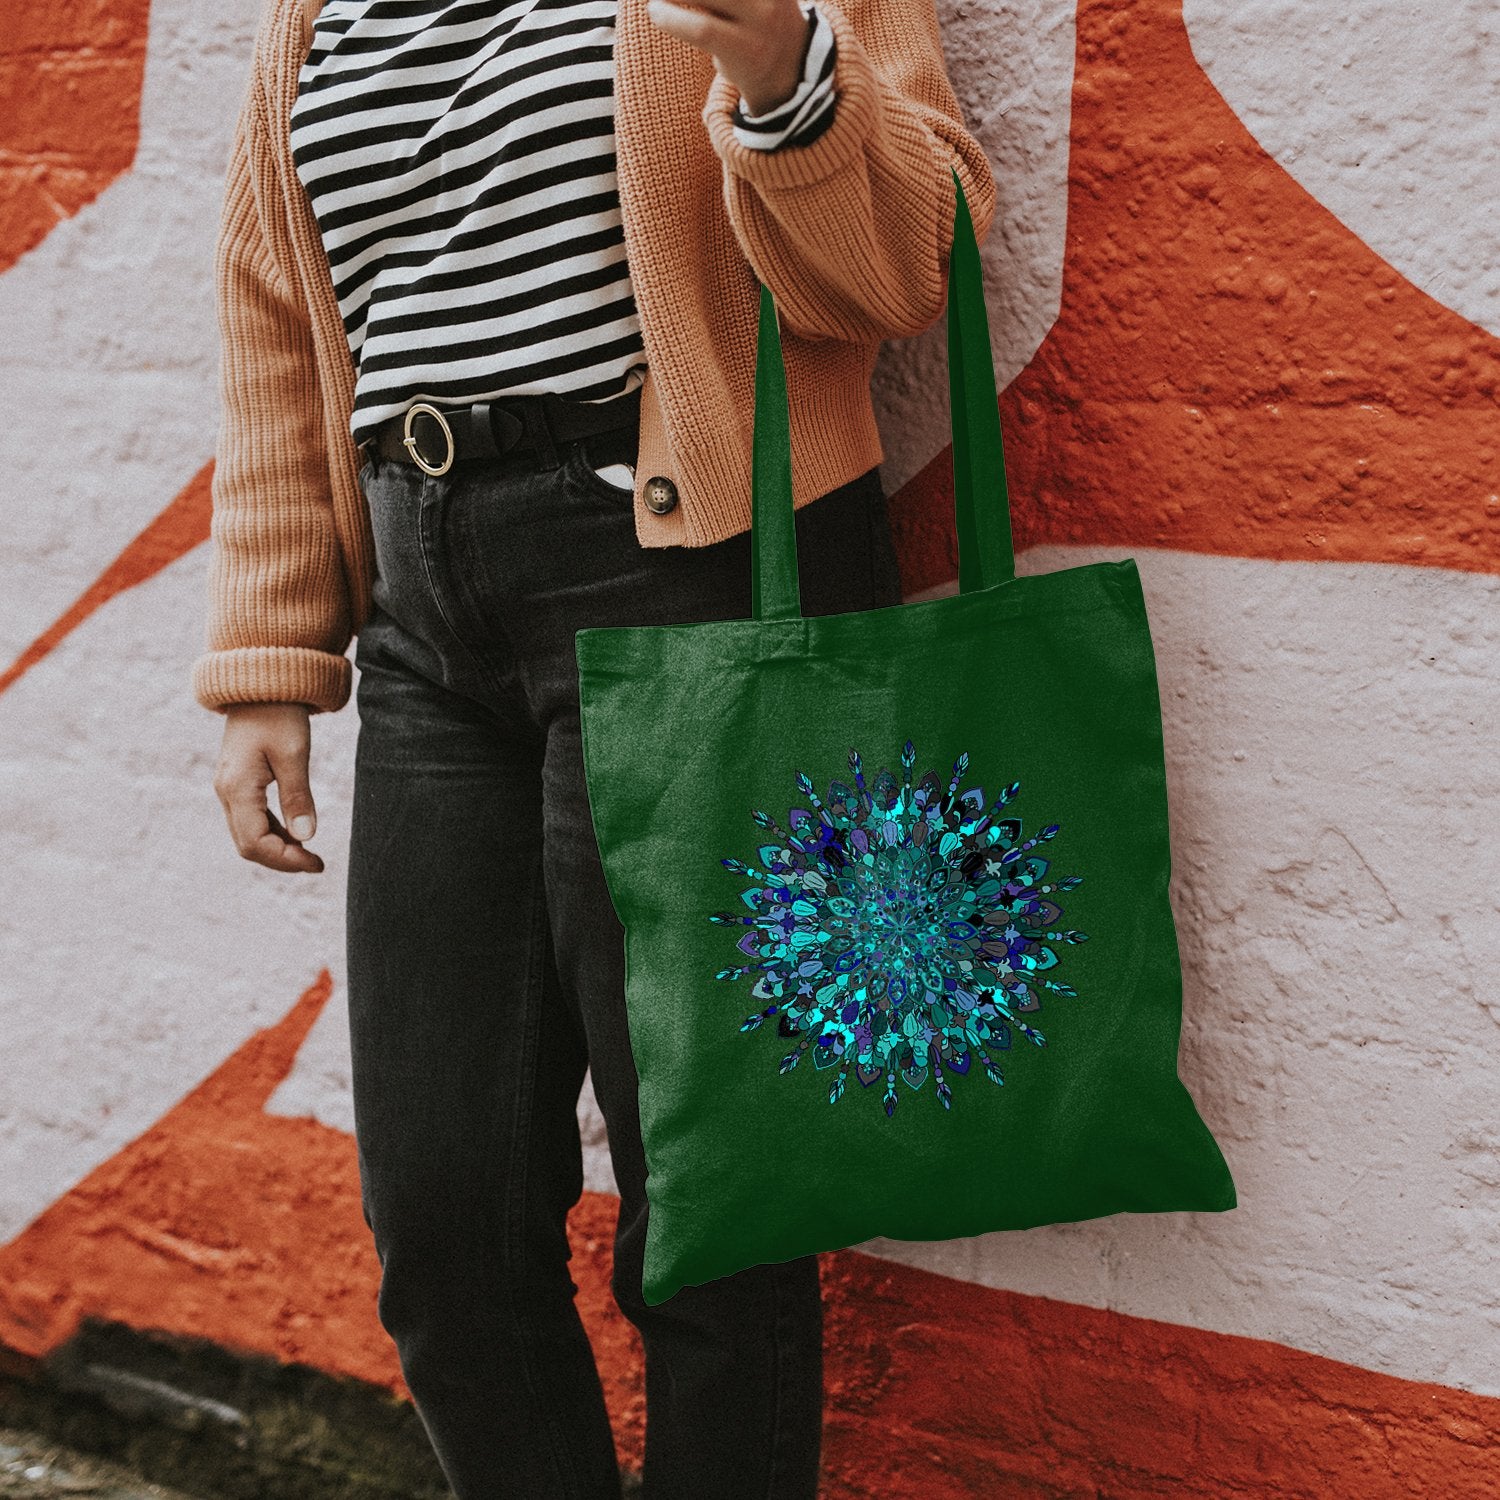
x,y
981,501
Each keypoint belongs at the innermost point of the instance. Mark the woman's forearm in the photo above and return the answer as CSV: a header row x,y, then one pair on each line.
x,y
278,618
852,232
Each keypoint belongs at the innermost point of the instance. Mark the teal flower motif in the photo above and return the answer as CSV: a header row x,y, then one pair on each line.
x,y
899,929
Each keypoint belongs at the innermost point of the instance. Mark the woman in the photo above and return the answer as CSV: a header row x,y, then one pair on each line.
x,y
488,278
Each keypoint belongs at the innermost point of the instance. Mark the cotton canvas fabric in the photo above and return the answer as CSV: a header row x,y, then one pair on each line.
x,y
900,959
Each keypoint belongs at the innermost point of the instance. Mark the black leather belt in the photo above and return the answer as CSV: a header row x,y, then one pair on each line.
x,y
437,437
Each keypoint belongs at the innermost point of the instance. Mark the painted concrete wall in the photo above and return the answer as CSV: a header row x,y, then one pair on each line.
x,y
1245,303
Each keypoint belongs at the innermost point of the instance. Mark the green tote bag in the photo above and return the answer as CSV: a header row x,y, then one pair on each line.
x,y
899,955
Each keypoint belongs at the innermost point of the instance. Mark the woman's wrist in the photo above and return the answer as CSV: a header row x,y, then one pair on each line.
x,y
808,111
795,82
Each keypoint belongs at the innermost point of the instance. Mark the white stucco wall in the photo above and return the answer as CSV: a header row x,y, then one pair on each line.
x,y
1330,728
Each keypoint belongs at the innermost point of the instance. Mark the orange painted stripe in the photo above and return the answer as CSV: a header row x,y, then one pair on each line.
x,y
940,1389
1232,371
180,527
70,105
229,1224
70,111
225,1223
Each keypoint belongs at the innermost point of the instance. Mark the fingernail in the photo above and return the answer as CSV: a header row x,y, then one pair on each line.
x,y
302,827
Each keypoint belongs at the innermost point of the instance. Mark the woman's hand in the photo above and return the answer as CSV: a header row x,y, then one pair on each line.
x,y
266,742
758,45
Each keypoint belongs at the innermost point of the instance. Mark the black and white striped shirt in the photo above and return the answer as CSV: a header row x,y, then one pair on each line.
x,y
459,158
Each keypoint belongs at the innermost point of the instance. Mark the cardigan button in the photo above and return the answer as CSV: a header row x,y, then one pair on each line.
x,y
661,495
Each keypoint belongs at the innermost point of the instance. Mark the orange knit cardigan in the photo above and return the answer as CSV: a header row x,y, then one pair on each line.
x,y
851,233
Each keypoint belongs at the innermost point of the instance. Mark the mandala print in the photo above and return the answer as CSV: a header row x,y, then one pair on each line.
x,y
899,929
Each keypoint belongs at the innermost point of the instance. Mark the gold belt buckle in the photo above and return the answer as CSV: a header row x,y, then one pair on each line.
x,y
410,443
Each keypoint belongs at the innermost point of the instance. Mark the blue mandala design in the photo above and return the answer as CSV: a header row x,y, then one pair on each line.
x,y
899,929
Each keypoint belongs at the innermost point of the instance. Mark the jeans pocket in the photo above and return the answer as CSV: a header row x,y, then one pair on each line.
x,y
588,455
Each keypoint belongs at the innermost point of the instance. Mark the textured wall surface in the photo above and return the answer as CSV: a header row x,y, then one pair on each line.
x,y
1245,307
1387,118
1300,442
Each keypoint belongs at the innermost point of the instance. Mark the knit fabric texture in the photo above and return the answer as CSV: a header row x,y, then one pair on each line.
x,y
850,232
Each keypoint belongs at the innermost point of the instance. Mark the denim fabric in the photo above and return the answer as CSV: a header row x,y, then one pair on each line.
x,y
486,973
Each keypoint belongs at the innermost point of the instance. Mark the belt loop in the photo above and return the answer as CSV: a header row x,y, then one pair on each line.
x,y
482,428
539,429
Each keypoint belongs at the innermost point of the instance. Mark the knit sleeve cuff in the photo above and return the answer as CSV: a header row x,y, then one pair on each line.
x,y
854,84
273,674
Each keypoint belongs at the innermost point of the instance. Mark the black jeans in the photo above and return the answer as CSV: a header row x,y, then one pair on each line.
x,y
486,974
